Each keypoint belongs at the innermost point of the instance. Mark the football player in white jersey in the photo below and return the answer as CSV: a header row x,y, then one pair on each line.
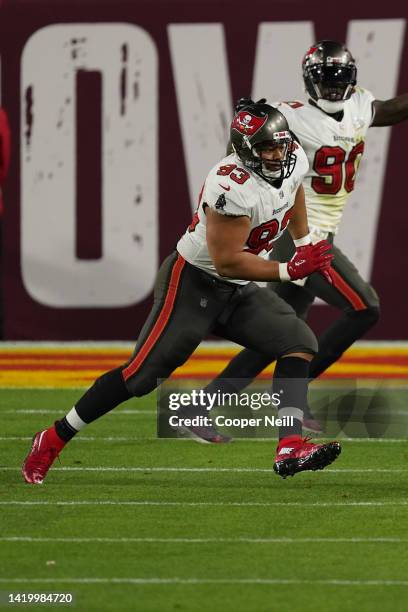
x,y
248,200
331,127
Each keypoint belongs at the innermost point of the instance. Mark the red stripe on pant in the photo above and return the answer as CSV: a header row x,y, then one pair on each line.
x,y
161,321
345,289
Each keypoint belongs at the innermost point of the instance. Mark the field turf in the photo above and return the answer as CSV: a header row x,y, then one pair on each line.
x,y
129,522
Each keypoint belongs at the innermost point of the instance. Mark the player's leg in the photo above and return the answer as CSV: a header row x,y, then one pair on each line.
x,y
359,303
246,366
264,323
176,325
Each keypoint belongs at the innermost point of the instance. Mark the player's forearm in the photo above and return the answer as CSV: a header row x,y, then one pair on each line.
x,y
246,266
298,226
298,229
389,112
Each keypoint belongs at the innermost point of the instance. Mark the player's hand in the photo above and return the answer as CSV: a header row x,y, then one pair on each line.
x,y
306,260
243,102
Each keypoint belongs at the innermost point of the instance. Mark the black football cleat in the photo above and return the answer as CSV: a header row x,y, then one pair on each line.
x,y
296,454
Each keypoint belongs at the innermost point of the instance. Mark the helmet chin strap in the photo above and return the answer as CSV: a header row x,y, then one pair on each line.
x,y
330,107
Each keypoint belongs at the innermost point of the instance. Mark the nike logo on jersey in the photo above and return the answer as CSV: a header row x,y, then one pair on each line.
x,y
226,188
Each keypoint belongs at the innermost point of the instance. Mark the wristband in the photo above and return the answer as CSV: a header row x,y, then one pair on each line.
x,y
299,242
283,272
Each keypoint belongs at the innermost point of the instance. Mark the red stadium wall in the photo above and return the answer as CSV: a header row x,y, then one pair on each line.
x,y
117,111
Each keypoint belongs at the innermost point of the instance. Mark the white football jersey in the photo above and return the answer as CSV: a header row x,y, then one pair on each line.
x,y
232,189
334,150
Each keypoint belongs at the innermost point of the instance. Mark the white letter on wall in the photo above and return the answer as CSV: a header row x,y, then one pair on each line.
x,y
126,59
376,45
278,60
202,81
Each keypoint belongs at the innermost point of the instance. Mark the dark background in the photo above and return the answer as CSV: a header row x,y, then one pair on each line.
x,y
27,319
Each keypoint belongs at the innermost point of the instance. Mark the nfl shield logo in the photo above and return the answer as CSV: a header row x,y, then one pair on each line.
x,y
203,302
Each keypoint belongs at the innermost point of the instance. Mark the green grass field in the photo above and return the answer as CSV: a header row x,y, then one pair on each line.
x,y
129,522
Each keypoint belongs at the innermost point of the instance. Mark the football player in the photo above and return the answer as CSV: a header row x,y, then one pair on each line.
x,y
331,126
247,201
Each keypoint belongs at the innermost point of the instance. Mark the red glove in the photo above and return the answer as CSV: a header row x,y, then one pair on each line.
x,y
307,259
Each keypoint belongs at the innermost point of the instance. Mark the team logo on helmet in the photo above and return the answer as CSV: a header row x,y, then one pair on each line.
x,y
247,124
310,52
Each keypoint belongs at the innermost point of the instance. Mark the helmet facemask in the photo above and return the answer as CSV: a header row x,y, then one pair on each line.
x,y
274,169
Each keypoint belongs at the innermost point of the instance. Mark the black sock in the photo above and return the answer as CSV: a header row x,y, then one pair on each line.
x,y
107,392
64,430
290,381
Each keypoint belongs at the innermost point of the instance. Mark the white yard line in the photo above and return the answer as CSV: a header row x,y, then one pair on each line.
x,y
201,504
211,470
176,580
279,540
141,439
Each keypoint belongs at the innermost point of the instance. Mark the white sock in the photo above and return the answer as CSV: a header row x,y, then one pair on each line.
x,y
74,420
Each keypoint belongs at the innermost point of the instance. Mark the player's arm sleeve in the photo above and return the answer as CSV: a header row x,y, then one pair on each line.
x,y
390,112
227,202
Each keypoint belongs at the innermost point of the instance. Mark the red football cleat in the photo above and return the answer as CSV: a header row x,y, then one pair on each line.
x,y
44,450
297,454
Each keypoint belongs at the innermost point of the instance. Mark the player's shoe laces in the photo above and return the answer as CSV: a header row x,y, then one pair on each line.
x,y
297,454
45,449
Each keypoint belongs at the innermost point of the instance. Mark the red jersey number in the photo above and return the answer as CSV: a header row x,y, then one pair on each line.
x,y
351,166
261,237
330,162
238,175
